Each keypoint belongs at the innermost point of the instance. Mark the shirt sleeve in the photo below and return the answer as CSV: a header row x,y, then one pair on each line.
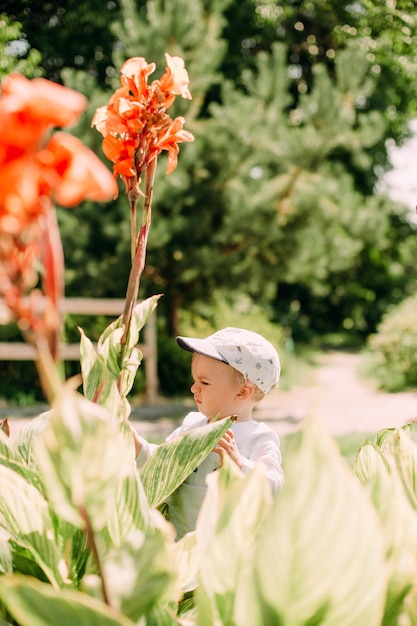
x,y
146,452
265,449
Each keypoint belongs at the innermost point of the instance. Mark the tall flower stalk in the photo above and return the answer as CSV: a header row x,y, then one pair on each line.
x,y
136,128
37,169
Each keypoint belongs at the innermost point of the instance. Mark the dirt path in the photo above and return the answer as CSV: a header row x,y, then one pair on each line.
x,y
341,398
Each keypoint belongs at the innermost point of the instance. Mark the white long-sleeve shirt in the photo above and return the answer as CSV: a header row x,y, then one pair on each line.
x,y
256,442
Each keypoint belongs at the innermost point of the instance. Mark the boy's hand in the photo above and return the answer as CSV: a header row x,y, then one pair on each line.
x,y
137,440
227,445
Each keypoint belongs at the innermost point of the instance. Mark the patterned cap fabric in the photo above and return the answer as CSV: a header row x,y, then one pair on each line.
x,y
246,351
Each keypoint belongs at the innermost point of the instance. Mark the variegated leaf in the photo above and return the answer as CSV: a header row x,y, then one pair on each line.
x,y
82,456
321,554
399,524
27,519
228,528
31,602
174,460
404,451
369,462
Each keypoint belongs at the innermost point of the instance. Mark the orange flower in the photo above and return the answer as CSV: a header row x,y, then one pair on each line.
x,y
175,80
70,172
31,107
135,125
38,169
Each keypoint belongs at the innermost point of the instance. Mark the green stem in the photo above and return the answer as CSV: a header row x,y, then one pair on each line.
x,y
92,544
132,228
138,264
49,376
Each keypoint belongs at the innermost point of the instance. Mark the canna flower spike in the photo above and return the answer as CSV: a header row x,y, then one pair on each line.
x,y
136,129
135,125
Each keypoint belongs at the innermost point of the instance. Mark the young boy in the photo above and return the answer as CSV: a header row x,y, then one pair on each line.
x,y
232,370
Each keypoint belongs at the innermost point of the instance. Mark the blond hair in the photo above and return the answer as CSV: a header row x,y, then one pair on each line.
x,y
241,380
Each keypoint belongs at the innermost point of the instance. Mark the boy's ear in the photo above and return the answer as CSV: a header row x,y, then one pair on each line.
x,y
246,391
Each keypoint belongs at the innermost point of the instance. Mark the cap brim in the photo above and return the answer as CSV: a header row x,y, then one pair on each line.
x,y
201,346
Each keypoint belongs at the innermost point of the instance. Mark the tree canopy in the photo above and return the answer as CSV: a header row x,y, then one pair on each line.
x,y
293,105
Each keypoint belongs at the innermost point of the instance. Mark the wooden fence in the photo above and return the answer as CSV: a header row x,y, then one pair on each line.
x,y
15,351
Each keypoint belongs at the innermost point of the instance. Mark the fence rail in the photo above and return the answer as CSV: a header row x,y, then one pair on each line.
x,y
16,351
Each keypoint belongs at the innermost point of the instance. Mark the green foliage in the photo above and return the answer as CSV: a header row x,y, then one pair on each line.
x,y
292,109
68,34
174,367
15,52
392,350
80,538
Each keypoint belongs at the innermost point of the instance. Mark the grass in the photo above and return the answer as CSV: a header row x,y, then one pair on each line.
x,y
349,444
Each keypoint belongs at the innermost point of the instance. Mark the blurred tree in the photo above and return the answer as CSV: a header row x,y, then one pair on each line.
x,y
292,107
69,33
16,55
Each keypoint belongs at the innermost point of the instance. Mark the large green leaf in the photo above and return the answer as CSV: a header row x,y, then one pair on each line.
x,y
82,456
5,552
25,437
131,511
399,523
412,608
174,460
404,451
109,345
105,379
187,556
7,449
369,462
382,467
30,475
26,517
386,435
141,573
99,384
321,554
228,528
32,603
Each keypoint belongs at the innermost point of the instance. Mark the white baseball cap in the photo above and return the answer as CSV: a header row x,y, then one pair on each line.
x,y
246,351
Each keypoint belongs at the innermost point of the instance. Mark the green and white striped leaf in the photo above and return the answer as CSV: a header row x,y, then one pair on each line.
x,y
30,475
7,449
370,462
27,519
82,456
404,451
141,573
32,603
399,523
99,384
174,460
5,552
25,437
412,607
321,554
107,343
105,379
228,529
385,435
131,511
187,556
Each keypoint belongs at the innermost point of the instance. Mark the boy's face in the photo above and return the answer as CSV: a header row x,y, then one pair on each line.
x,y
215,387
